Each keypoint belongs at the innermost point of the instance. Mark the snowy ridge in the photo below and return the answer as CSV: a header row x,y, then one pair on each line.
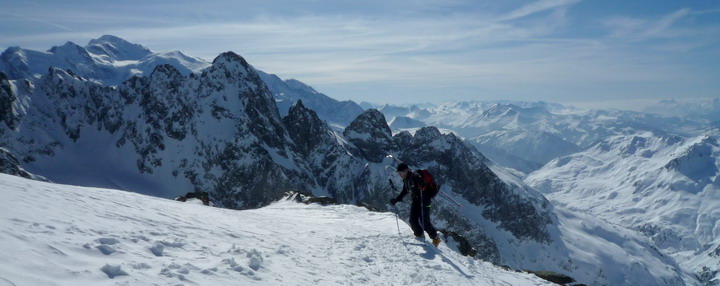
x,y
86,236
108,59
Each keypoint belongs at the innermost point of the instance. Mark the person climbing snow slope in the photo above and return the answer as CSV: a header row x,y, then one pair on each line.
x,y
421,203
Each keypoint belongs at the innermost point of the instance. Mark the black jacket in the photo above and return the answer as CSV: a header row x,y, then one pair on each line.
x,y
412,185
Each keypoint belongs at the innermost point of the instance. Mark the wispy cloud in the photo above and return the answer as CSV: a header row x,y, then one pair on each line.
x,y
643,28
536,7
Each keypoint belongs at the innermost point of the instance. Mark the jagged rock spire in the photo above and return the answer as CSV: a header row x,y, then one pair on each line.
x,y
306,129
371,135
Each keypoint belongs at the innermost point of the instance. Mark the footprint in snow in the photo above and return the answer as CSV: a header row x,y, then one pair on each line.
x,y
106,249
232,265
105,245
255,259
113,271
157,249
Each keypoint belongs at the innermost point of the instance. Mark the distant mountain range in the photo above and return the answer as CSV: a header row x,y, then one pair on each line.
x,y
111,60
527,135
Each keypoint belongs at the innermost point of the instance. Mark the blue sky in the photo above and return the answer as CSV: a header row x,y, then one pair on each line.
x,y
569,51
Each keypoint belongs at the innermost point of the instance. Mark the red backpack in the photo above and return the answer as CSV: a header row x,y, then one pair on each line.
x,y
428,185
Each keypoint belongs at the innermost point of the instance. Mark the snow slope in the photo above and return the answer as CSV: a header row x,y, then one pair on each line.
x,y
666,187
67,235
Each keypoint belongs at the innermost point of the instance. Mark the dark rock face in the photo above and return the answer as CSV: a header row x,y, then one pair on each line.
x,y
202,196
331,163
7,100
10,165
370,133
306,129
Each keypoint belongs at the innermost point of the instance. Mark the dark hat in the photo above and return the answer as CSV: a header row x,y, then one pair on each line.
x,y
402,167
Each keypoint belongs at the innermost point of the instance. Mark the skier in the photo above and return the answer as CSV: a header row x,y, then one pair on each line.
x,y
421,203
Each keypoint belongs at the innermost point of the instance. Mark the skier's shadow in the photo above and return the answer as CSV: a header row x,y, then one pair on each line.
x,y
431,252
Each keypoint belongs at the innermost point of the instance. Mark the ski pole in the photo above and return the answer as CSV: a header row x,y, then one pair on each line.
x,y
392,185
449,198
397,222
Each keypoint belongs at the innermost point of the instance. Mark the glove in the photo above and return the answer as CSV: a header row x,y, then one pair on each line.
x,y
393,201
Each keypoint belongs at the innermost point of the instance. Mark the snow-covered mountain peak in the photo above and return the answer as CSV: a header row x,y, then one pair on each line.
x,y
698,161
13,51
68,48
232,61
109,60
117,48
182,60
233,68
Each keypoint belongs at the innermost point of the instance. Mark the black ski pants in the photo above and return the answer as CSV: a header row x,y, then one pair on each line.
x,y
420,218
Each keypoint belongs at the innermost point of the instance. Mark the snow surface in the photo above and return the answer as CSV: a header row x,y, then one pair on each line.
x,y
67,235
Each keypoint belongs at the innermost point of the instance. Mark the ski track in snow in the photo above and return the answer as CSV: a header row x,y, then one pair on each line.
x,y
66,235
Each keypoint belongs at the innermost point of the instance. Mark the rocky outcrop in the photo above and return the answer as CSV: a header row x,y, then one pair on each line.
x,y
370,133
10,165
7,102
